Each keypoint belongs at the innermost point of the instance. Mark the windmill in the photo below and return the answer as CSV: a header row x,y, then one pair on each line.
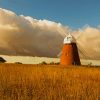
x,y
70,51
69,54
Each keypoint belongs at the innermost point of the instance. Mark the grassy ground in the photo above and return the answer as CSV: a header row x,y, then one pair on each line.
x,y
48,82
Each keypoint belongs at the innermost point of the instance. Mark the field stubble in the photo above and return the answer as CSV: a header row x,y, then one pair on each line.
x,y
48,82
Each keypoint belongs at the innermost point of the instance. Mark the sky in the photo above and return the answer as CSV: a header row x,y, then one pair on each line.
x,y
74,13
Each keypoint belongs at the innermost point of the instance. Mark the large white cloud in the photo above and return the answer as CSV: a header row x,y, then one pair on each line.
x,y
23,35
88,41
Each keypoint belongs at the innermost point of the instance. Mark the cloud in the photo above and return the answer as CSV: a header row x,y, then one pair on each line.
x,y
24,35
88,41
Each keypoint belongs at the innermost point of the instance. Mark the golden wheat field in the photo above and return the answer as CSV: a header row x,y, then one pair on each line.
x,y
48,82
